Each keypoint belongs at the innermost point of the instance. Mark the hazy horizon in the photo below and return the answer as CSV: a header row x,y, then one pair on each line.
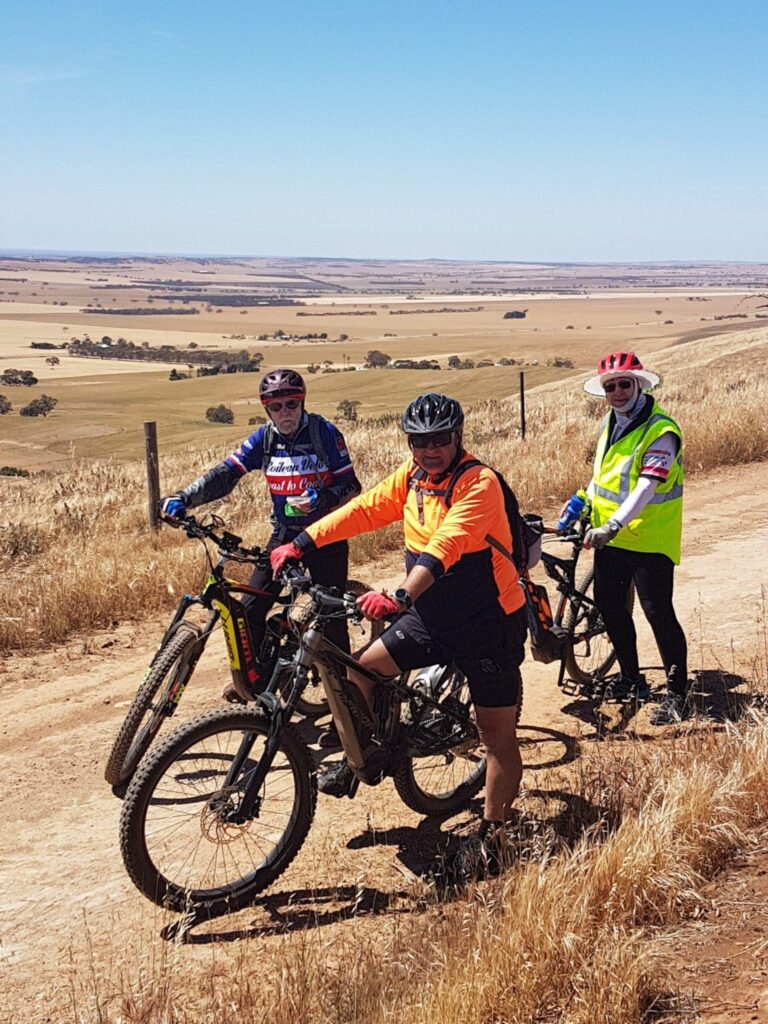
x,y
21,252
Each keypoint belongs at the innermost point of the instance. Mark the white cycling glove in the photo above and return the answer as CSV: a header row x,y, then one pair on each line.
x,y
600,536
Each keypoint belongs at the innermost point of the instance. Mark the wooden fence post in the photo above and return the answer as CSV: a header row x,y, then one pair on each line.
x,y
153,474
522,404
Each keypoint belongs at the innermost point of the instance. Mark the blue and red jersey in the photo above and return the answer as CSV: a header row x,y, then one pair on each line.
x,y
294,466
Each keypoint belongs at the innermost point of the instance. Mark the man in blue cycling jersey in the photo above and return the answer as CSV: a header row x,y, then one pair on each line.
x,y
308,470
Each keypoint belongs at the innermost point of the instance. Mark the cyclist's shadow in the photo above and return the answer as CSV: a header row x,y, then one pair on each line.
x,y
717,696
723,696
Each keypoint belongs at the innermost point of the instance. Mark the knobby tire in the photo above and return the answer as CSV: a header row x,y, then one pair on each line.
x,y
133,740
171,782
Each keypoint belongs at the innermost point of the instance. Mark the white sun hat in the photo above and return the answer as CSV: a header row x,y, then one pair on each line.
x,y
620,364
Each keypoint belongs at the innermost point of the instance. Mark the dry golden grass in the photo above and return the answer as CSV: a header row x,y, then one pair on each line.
x,y
75,552
559,938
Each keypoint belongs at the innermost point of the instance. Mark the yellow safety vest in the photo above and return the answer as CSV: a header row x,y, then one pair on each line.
x,y
659,526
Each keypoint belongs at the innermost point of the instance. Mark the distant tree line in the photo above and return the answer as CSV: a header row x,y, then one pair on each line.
x,y
141,311
239,299
218,360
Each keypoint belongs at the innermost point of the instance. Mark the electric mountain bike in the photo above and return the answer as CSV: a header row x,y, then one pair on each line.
x,y
171,668
575,634
216,812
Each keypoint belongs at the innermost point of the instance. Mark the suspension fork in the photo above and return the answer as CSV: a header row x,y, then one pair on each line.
x,y
248,806
186,601
279,715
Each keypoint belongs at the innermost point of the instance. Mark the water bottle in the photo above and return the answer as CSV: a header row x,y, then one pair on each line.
x,y
576,504
309,495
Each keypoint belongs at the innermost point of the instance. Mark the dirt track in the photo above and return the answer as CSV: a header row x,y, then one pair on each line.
x,y
66,901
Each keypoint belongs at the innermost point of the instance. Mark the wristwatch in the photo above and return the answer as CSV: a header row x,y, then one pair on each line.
x,y
403,597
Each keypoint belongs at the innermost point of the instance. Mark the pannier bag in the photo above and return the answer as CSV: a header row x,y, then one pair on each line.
x,y
547,640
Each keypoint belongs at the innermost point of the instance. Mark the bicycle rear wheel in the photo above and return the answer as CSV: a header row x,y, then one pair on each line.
x,y
168,674
590,654
445,782
180,838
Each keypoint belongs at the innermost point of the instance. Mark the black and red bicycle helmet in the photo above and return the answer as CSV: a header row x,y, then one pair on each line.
x,y
281,384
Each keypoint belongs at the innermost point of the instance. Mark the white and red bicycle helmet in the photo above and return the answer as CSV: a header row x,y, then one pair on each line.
x,y
620,364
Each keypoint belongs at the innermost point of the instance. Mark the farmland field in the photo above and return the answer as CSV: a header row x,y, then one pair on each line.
x,y
429,310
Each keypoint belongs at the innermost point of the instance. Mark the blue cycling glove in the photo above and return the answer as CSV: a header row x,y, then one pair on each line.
x,y
174,507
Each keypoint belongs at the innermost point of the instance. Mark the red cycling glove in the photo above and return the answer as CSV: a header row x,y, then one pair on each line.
x,y
377,606
282,554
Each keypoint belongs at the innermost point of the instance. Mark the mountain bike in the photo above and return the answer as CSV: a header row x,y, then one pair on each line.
x,y
216,812
184,641
575,634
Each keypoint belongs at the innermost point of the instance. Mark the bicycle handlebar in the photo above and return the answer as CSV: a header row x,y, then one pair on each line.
x,y
291,577
229,544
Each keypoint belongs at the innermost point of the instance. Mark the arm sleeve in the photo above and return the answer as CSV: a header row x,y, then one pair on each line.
x,y
640,495
658,459
374,508
477,510
345,484
216,483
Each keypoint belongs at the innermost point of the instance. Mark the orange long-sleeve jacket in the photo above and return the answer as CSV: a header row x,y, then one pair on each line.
x,y
472,579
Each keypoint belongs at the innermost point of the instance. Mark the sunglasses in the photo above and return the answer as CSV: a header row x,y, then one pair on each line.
x,y
289,403
439,440
625,385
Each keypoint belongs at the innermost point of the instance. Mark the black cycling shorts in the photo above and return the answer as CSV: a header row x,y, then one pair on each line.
x,y
491,664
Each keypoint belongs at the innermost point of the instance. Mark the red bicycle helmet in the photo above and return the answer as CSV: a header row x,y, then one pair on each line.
x,y
281,384
620,364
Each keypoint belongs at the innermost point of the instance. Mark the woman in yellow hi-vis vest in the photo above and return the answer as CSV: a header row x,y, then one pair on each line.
x,y
637,516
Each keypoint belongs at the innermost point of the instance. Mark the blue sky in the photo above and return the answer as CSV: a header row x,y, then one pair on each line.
x,y
523,131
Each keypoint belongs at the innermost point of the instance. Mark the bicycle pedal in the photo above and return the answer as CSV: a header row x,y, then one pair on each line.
x,y
570,688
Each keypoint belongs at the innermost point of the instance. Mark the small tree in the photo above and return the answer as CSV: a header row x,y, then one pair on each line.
x,y
375,359
348,409
220,414
40,406
454,362
5,405
53,361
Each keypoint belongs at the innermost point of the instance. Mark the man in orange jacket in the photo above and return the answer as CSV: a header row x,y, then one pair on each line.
x,y
459,603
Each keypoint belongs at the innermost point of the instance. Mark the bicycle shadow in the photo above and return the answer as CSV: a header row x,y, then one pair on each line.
x,y
570,744
293,910
608,720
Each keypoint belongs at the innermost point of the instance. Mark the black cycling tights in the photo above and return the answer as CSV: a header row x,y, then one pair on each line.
x,y
653,576
327,566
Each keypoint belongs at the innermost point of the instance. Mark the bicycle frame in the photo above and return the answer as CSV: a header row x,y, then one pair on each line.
x,y
218,596
346,704
562,571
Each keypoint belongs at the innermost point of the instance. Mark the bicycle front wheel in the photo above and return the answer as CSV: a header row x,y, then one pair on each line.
x,y
590,654
445,782
182,840
169,671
